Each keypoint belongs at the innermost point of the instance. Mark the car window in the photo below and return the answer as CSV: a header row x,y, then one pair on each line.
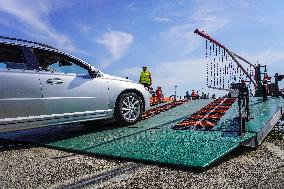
x,y
57,63
68,68
11,57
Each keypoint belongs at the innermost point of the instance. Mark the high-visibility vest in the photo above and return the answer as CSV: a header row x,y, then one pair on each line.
x,y
145,77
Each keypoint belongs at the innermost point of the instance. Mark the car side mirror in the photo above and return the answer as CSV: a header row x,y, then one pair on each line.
x,y
94,73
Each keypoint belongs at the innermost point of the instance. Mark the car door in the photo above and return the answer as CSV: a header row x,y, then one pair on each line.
x,y
20,93
64,90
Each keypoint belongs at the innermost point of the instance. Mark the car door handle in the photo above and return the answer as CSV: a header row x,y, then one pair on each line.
x,y
54,81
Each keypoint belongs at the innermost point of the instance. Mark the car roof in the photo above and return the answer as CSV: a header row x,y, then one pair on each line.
x,y
41,46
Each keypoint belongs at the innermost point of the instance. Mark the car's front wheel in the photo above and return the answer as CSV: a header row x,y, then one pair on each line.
x,y
129,108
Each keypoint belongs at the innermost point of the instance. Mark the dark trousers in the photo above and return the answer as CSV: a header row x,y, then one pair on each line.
x,y
146,85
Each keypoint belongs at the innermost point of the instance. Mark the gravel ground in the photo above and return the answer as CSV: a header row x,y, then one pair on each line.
x,y
25,166
244,168
37,167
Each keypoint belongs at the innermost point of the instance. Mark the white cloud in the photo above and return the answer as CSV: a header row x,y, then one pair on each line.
x,y
266,57
179,72
271,58
132,73
161,19
213,23
206,13
117,43
182,37
83,28
133,7
34,16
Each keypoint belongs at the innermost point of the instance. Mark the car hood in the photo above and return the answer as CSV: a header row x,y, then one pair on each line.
x,y
117,78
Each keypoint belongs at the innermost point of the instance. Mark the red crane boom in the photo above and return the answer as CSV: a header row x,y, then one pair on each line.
x,y
232,54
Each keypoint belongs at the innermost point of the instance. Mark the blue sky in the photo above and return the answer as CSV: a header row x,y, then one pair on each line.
x,y
119,36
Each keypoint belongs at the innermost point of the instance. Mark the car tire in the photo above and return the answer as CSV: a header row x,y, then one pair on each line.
x,y
128,109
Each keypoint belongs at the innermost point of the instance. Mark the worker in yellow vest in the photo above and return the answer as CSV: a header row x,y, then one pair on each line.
x,y
145,77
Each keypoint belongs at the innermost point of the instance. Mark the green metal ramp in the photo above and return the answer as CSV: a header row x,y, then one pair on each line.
x,y
194,150
152,140
264,116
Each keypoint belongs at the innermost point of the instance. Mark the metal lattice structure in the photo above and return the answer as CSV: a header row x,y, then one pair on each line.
x,y
224,67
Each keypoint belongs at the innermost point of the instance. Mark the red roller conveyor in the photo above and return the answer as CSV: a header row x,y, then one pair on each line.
x,y
208,116
155,111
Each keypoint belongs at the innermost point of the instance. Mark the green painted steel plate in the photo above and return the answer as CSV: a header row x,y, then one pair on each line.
x,y
163,121
262,112
191,149
259,110
152,140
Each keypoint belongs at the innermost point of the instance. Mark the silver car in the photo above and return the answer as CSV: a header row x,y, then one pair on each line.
x,y
42,86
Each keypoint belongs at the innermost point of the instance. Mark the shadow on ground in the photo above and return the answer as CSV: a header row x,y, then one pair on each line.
x,y
7,145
